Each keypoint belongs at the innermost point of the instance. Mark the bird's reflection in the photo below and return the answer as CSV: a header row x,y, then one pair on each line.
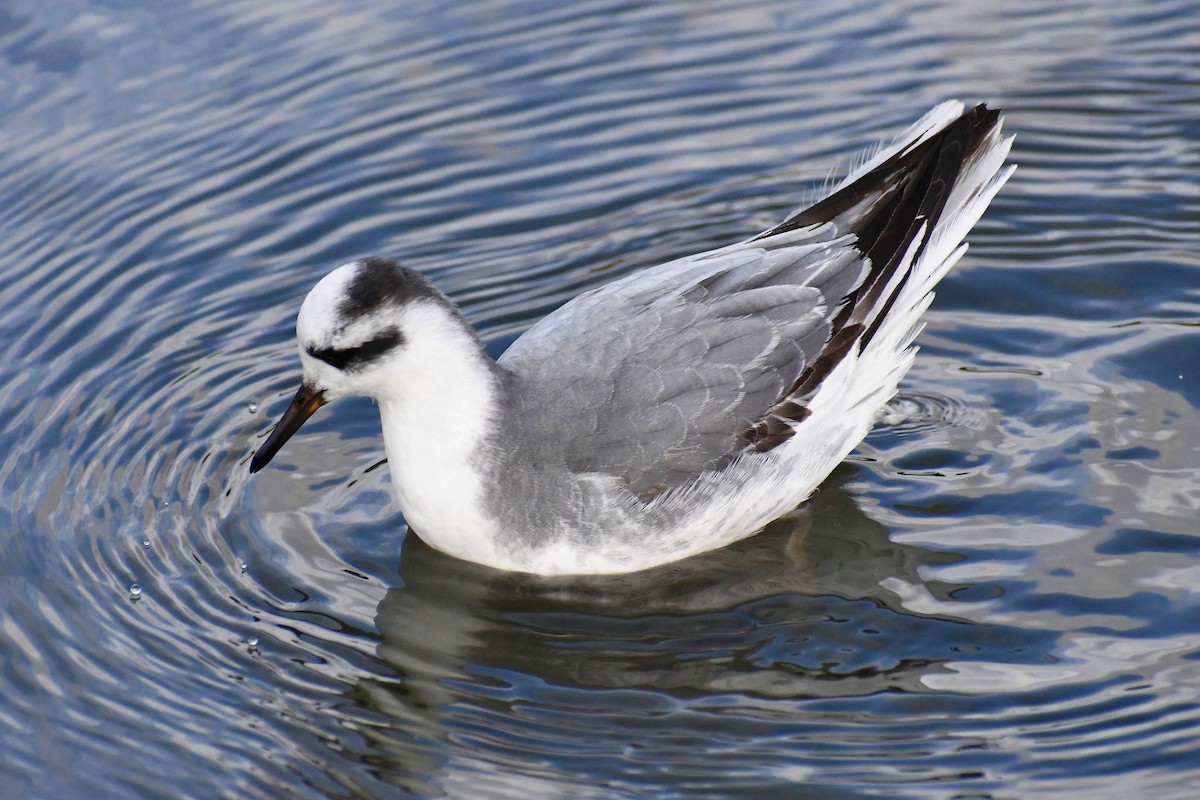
x,y
794,613
696,625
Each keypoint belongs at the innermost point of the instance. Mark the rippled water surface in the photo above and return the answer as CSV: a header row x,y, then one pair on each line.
x,y
996,596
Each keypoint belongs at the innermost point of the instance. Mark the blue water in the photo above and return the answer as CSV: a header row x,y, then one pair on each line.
x,y
996,596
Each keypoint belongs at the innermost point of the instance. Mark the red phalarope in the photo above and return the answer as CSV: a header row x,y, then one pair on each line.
x,y
670,412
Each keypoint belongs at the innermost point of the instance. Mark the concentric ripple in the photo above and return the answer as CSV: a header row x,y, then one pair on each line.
x,y
994,597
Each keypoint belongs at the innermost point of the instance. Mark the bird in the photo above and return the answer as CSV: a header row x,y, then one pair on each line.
x,y
674,410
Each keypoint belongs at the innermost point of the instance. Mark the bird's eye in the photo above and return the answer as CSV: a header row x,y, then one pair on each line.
x,y
357,357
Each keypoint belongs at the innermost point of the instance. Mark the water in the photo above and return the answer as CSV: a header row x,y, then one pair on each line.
x,y
995,597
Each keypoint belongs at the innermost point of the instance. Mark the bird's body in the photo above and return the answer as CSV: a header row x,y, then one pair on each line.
x,y
670,412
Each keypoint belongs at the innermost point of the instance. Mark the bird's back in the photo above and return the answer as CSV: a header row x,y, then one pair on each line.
x,y
681,369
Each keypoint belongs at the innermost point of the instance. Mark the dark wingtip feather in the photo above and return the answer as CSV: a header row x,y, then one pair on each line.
x,y
910,190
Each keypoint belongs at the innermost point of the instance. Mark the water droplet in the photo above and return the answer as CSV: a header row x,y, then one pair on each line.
x,y
252,642
135,590
243,565
145,542
252,408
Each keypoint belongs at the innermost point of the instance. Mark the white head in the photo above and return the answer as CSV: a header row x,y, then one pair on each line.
x,y
373,328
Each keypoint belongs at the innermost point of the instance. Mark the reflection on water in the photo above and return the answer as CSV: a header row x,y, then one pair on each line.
x,y
995,597
700,665
661,629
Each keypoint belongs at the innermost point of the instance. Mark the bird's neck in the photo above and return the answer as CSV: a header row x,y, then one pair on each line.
x,y
437,429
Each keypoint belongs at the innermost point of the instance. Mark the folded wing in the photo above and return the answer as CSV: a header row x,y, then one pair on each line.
x,y
682,367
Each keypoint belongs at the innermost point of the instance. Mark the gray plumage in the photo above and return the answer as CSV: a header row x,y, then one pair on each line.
x,y
654,379
679,368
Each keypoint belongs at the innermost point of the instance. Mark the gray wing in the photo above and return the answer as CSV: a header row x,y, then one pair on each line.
x,y
663,374
655,377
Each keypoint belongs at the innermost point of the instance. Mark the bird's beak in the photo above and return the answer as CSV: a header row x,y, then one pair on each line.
x,y
306,401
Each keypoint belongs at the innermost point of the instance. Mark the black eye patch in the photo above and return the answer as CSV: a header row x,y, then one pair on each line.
x,y
350,358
